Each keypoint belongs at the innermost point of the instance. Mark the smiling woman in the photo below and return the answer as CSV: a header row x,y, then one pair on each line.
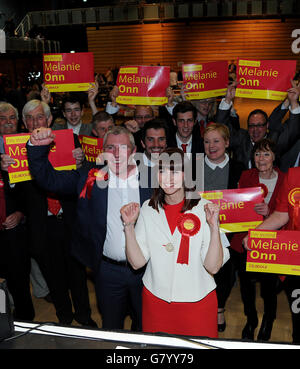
x,y
220,173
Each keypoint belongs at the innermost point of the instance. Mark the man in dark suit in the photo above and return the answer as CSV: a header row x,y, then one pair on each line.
x,y
50,231
15,258
261,126
99,241
72,108
291,158
187,135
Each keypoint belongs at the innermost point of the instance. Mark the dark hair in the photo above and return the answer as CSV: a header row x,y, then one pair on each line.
x,y
72,98
156,123
264,145
184,107
158,196
258,111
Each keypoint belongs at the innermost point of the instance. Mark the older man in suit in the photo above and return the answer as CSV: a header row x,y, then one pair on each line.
x,y
261,126
99,241
50,230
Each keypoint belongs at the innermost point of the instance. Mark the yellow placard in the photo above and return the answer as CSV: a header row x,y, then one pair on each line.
x,y
273,268
249,63
205,94
69,87
263,234
52,58
128,70
261,94
139,100
192,68
238,227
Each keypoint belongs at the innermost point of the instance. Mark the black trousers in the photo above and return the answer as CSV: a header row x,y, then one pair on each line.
x,y
225,279
119,293
269,283
15,268
63,274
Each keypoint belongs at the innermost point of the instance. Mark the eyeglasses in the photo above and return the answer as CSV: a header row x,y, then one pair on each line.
x,y
260,125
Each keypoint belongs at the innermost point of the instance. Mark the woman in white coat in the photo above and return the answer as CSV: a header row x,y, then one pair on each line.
x,y
179,239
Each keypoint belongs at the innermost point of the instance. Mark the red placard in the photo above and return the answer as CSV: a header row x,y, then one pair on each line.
x,y
273,251
91,146
264,79
68,71
60,154
143,85
205,80
237,207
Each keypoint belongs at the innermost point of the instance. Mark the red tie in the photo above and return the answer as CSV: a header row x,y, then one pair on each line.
x,y
53,205
2,202
184,147
202,128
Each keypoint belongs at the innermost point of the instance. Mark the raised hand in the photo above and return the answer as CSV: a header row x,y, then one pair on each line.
x,y
45,94
114,93
130,212
79,156
132,126
42,136
230,93
212,214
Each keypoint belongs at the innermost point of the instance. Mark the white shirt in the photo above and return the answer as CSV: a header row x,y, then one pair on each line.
x,y
270,184
189,144
75,129
120,192
213,166
164,277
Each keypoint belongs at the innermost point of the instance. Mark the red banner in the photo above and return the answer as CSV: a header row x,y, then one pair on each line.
x,y
264,79
237,208
205,80
91,146
274,252
60,154
143,85
68,71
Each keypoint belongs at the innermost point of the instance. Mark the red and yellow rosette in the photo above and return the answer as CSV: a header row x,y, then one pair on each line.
x,y
188,225
294,200
264,189
93,175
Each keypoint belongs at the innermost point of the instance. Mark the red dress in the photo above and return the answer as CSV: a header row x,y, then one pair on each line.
x,y
183,318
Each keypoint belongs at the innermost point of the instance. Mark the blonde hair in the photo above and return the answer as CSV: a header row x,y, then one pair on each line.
x,y
221,128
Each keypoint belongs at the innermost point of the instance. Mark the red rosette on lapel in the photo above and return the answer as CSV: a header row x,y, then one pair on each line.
x,y
264,189
294,200
188,225
93,175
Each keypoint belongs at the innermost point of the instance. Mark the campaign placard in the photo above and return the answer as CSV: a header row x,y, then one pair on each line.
x,y
273,252
68,71
60,154
91,146
264,79
143,85
205,80
237,208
